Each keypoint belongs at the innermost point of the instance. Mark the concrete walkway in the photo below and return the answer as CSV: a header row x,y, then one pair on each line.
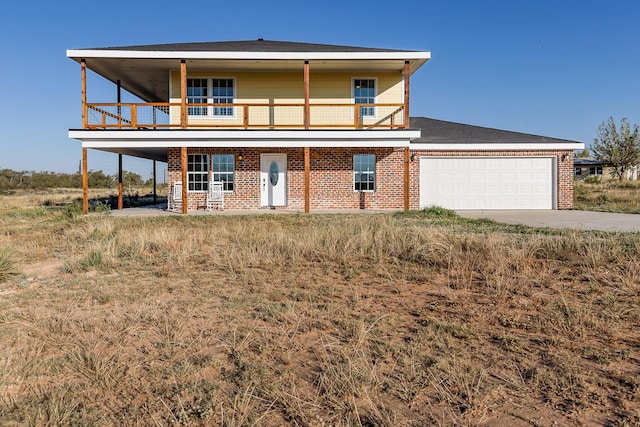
x,y
581,220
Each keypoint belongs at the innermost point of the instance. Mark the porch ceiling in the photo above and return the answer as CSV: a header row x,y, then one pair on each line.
x,y
148,77
150,153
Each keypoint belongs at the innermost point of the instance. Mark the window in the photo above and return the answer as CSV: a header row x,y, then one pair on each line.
x,y
364,92
364,172
222,94
577,171
198,172
595,170
197,94
223,165
210,91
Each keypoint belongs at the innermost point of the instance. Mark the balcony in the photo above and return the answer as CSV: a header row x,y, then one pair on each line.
x,y
165,115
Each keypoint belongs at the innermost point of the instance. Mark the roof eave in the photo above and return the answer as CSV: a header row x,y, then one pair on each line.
x,y
496,146
416,57
137,54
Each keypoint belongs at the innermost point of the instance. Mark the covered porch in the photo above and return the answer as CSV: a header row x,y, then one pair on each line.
x,y
317,166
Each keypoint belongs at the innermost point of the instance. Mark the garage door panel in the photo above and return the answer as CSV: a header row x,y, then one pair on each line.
x,y
487,182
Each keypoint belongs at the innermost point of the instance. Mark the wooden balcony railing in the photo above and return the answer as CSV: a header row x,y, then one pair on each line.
x,y
159,115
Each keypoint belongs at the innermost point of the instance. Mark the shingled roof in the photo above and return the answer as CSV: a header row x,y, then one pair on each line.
x,y
259,45
440,131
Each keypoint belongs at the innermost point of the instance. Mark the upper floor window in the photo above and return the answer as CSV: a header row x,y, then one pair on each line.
x,y
222,94
210,91
364,172
197,94
364,92
198,172
223,165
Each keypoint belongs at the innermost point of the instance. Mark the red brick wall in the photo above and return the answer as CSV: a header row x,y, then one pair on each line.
x,y
564,176
331,176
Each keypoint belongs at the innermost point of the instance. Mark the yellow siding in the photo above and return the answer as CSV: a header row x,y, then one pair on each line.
x,y
288,88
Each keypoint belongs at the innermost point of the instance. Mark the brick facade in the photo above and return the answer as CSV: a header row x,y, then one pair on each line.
x,y
331,176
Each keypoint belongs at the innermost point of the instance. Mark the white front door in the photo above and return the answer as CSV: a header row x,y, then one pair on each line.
x,y
273,179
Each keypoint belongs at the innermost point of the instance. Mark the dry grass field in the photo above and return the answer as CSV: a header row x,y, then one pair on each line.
x,y
608,195
412,319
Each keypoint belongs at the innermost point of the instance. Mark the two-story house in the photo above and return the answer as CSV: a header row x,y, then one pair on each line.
x,y
304,126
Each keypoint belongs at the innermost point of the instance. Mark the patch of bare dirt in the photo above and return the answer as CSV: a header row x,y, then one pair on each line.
x,y
46,269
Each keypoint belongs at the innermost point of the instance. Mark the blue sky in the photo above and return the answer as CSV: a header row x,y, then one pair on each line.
x,y
548,67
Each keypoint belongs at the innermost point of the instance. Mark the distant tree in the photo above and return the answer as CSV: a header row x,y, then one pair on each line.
x,y
10,180
584,153
618,147
13,180
131,179
97,179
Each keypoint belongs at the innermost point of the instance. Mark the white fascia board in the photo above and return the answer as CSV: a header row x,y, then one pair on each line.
x,y
144,135
497,146
132,54
110,139
246,144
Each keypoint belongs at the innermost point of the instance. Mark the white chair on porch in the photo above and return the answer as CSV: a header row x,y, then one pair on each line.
x,y
175,197
215,196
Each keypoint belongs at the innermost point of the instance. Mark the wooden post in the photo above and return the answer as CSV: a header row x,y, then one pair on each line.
x,y
183,162
155,195
183,99
307,125
119,100
83,73
134,116
119,181
307,108
85,182
407,175
406,124
307,170
407,74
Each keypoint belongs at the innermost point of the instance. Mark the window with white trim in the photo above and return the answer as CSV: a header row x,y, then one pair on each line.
x,y
595,170
198,172
577,171
222,94
211,91
364,172
197,90
364,92
223,167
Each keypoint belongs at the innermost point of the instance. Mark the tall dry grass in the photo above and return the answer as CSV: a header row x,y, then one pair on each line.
x,y
27,199
608,195
315,320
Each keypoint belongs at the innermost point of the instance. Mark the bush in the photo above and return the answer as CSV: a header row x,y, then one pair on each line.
x,y
437,211
73,210
7,263
593,179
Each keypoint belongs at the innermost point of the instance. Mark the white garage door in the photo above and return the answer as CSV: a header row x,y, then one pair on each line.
x,y
487,182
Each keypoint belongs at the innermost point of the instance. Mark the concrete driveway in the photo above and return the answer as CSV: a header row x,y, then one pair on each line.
x,y
582,220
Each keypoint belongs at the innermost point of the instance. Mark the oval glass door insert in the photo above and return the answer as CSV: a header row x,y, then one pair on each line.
x,y
274,173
